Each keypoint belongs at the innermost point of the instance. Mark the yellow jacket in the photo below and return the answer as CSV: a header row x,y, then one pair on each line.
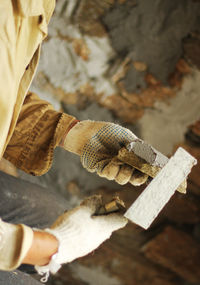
x,y
28,125
29,128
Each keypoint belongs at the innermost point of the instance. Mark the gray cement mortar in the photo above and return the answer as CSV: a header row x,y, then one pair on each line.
x,y
151,31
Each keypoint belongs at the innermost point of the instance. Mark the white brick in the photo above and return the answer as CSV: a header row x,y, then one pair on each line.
x,y
148,205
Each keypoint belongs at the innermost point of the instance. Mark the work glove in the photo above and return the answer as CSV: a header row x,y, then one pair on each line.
x,y
97,144
79,232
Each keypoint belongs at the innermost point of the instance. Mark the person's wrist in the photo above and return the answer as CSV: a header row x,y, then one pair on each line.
x,y
44,246
61,144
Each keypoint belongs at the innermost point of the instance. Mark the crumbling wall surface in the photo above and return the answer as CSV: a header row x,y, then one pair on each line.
x,y
134,62
165,125
142,30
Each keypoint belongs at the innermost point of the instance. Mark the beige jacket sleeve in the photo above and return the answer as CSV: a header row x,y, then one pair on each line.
x,y
16,241
38,131
30,143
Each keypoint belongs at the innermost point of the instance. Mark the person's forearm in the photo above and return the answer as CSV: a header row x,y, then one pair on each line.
x,y
43,247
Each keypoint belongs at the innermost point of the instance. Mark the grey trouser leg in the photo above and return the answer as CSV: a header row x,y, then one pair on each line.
x,y
17,278
28,203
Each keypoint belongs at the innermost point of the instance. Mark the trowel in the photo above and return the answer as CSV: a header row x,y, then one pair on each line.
x,y
168,176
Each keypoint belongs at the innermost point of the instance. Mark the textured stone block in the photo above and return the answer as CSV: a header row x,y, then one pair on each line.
x,y
156,195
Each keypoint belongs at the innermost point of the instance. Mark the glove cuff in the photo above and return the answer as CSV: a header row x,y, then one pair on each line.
x,y
54,265
80,134
51,267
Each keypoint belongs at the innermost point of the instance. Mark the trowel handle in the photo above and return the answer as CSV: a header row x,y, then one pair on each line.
x,y
115,205
130,158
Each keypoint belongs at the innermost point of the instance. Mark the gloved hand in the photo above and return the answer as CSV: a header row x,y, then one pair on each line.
x,y
79,232
98,144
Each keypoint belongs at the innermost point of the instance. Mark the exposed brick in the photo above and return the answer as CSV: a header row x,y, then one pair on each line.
x,y
183,209
194,177
177,251
121,258
193,133
122,108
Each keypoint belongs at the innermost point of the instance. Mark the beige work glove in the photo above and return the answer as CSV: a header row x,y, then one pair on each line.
x,y
97,144
79,232
15,241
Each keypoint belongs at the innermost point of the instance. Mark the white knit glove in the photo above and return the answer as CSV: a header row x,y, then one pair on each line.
x,y
79,232
97,144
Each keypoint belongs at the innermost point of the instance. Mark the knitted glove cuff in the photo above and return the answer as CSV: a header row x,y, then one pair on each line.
x,y
54,265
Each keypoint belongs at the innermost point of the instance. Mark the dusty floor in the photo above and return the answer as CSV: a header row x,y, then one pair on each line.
x,y
126,62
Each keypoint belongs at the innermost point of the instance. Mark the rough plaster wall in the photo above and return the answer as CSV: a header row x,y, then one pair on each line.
x,y
64,68
165,125
142,30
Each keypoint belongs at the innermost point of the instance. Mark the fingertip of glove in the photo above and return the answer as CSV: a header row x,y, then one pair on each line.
x,y
120,219
93,203
115,221
110,171
138,178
